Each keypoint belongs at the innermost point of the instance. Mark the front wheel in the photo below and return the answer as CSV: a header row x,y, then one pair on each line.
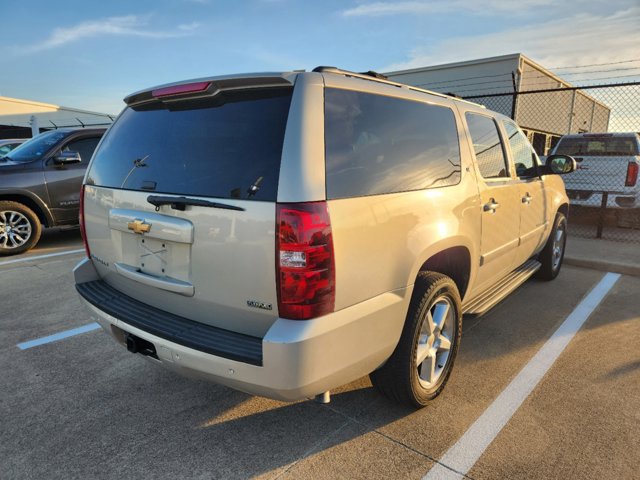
x,y
20,228
420,366
552,254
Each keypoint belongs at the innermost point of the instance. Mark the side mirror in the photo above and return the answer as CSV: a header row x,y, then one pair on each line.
x,y
560,164
66,158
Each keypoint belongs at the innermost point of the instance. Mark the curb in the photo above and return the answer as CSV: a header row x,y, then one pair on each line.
x,y
602,265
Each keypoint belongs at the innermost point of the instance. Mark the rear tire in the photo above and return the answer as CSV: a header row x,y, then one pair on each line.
x,y
20,228
552,254
420,366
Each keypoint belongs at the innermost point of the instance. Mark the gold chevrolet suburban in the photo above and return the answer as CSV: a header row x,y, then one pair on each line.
x,y
287,233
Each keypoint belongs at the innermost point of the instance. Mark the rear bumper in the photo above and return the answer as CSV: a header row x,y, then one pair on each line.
x,y
586,198
297,359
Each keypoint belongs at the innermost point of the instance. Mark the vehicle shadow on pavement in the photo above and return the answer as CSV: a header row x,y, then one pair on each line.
x,y
267,437
59,237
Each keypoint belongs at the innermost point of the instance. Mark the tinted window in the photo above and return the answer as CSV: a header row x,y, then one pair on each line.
x,y
84,147
37,147
217,147
523,155
598,146
487,146
376,144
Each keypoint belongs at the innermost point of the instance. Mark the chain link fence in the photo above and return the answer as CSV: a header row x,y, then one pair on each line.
x,y
605,189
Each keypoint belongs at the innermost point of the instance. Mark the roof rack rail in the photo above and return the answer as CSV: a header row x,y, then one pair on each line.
x,y
369,73
378,77
373,74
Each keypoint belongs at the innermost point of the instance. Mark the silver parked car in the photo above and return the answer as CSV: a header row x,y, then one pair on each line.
x,y
286,233
8,144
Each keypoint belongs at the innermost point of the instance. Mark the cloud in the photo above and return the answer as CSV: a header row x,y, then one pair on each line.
x,y
580,39
129,25
379,9
189,27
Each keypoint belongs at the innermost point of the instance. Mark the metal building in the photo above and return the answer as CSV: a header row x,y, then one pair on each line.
x,y
544,116
26,118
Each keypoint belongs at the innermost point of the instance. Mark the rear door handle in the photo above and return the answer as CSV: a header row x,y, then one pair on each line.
x,y
491,206
527,199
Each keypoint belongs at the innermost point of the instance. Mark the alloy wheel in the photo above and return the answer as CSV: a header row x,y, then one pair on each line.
x,y
558,246
15,229
435,341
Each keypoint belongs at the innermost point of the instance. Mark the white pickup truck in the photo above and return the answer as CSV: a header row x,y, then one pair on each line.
x,y
606,162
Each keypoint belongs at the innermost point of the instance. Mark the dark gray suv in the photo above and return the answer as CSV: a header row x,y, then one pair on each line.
x,y
40,185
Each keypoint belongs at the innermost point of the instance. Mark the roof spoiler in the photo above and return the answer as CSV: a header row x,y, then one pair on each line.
x,y
203,88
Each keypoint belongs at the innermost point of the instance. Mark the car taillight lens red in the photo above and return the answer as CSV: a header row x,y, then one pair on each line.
x,y
304,260
179,89
632,174
83,230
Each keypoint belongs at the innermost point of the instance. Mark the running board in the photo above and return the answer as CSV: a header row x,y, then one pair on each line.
x,y
482,303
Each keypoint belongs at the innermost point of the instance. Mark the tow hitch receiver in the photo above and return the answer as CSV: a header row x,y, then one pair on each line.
x,y
139,345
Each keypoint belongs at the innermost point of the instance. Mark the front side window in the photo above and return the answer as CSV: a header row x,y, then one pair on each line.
x,y
524,158
377,144
487,146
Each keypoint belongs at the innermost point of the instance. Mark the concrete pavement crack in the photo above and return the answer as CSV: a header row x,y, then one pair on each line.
x,y
313,448
396,441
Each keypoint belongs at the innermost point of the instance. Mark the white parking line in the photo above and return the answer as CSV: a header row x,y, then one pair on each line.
x,y
39,257
58,336
460,458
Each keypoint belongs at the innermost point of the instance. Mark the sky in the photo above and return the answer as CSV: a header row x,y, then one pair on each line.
x,y
90,54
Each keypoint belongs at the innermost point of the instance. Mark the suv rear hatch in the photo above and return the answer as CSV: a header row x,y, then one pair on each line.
x,y
180,200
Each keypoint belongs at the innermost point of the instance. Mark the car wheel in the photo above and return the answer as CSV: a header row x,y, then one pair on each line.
x,y
552,254
420,366
20,228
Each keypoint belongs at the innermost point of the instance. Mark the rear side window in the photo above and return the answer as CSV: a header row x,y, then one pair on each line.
x,y
487,146
598,146
377,144
227,146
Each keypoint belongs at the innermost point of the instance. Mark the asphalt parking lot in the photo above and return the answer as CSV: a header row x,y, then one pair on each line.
x,y
84,407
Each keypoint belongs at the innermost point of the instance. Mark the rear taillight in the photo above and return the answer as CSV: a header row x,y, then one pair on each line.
x,y
83,230
632,174
304,260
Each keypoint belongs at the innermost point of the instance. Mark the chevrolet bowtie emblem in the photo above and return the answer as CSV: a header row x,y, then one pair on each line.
x,y
139,226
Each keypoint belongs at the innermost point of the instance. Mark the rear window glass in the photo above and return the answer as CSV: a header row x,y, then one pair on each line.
x,y
598,146
377,144
227,146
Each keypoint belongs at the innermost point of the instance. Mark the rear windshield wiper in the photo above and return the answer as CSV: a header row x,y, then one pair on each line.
x,y
179,203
